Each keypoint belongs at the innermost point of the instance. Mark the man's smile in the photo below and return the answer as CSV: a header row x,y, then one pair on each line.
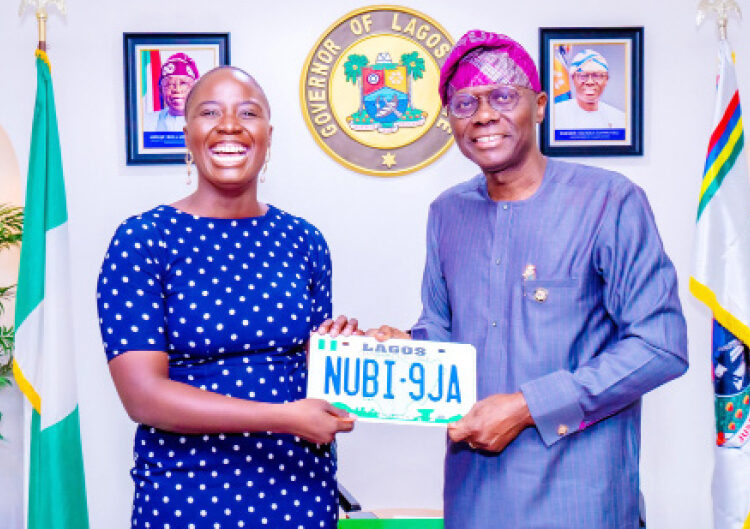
x,y
489,140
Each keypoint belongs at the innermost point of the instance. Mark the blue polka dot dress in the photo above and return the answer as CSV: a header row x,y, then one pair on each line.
x,y
232,302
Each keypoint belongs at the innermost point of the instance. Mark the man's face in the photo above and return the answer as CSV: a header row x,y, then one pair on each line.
x,y
589,85
497,140
175,89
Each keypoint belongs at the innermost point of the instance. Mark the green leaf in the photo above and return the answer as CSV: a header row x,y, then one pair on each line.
x,y
6,293
6,370
353,67
11,225
406,58
414,64
7,339
11,228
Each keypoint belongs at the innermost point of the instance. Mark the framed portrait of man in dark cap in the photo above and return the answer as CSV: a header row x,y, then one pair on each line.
x,y
594,79
160,70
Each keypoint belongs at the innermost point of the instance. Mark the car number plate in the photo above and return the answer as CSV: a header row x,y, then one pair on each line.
x,y
408,381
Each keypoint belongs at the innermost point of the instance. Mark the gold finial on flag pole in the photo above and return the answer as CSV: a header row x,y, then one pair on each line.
x,y
721,10
41,16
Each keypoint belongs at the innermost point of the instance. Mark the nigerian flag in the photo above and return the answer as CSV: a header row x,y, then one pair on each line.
x,y
44,364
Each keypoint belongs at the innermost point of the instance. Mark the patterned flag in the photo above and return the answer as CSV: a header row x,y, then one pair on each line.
x,y
561,88
44,364
721,280
150,73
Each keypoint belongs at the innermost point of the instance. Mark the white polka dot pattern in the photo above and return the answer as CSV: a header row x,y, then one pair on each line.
x,y
232,302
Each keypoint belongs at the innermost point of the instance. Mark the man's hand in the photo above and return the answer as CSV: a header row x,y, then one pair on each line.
x,y
350,327
492,423
386,332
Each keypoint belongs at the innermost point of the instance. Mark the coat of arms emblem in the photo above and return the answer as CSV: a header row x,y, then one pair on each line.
x,y
369,91
731,388
386,92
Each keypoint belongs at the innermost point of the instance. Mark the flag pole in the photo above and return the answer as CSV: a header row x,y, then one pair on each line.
x,y
41,16
722,11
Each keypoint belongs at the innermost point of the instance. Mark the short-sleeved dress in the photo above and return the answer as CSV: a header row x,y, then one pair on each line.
x,y
232,302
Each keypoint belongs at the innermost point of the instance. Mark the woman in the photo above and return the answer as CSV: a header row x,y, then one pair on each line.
x,y
205,306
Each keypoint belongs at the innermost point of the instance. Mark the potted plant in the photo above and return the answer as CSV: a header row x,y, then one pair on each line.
x,y
11,227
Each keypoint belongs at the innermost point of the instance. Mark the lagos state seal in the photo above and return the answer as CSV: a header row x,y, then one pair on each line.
x,y
369,90
731,376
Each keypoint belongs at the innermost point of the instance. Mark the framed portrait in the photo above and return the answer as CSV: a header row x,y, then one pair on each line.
x,y
594,80
160,69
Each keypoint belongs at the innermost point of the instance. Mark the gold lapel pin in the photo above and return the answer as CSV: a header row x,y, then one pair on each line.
x,y
529,273
540,294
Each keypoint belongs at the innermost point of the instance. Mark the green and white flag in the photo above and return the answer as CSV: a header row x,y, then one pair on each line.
x,y
44,364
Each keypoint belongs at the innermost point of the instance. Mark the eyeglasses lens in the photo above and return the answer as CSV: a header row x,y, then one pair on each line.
x,y
171,84
586,77
463,105
502,99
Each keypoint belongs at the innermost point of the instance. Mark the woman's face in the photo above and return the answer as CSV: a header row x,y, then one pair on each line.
x,y
227,129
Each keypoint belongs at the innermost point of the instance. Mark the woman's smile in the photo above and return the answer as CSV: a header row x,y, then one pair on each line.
x,y
228,154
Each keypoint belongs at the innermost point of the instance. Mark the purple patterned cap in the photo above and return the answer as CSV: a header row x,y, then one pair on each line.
x,y
481,58
179,64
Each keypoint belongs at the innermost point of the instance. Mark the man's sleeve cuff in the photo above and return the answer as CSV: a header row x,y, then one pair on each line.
x,y
553,402
419,333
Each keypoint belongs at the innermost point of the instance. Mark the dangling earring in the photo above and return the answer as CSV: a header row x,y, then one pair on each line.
x,y
189,164
265,166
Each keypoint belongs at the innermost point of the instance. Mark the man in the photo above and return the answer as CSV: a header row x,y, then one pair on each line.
x,y
589,71
178,75
555,272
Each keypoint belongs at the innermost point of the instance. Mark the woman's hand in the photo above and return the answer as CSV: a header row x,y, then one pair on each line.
x,y
340,326
315,420
350,326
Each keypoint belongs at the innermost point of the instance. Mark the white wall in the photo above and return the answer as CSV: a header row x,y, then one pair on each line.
x,y
375,227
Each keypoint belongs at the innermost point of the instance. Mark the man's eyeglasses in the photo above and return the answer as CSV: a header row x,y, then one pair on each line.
x,y
176,84
589,76
502,99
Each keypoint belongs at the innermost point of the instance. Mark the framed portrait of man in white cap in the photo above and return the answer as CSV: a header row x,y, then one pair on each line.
x,y
594,79
160,70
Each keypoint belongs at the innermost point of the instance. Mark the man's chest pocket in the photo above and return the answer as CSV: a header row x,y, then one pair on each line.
x,y
550,292
550,313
